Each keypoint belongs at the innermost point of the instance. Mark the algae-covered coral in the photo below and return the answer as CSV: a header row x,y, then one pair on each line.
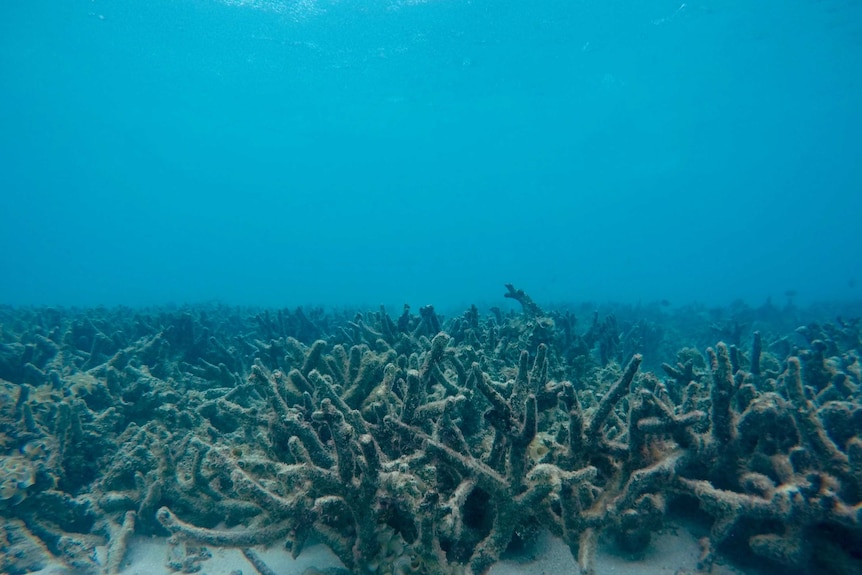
x,y
417,444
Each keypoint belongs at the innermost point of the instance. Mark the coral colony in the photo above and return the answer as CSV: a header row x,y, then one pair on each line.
x,y
418,445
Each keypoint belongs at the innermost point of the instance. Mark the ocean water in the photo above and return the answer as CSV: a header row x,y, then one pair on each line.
x,y
363,152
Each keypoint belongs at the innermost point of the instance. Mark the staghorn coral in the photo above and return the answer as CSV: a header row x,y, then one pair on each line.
x,y
769,473
417,444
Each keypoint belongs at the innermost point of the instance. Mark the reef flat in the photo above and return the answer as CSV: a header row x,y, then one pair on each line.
x,y
416,443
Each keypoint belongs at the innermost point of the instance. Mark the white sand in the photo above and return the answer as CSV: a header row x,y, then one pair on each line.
x,y
148,556
670,551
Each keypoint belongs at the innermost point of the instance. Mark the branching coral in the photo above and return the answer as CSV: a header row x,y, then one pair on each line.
x,y
418,445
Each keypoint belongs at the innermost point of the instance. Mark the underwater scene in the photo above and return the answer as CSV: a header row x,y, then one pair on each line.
x,y
431,287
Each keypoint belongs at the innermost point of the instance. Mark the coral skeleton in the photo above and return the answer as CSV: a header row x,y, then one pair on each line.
x,y
420,444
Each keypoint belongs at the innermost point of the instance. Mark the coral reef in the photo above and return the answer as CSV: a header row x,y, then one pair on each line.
x,y
421,444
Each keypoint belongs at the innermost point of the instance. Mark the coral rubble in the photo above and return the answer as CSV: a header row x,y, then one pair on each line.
x,y
420,444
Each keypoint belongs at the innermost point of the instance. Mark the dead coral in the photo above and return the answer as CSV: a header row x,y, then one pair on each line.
x,y
419,444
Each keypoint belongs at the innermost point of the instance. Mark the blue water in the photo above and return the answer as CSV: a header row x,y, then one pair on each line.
x,y
285,153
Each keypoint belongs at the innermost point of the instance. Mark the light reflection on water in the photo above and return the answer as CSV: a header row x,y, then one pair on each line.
x,y
294,8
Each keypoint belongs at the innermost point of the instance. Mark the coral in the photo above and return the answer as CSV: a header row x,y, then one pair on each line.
x,y
771,474
417,444
17,473
22,551
531,309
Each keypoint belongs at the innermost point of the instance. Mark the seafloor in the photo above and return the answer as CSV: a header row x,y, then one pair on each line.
x,y
416,443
